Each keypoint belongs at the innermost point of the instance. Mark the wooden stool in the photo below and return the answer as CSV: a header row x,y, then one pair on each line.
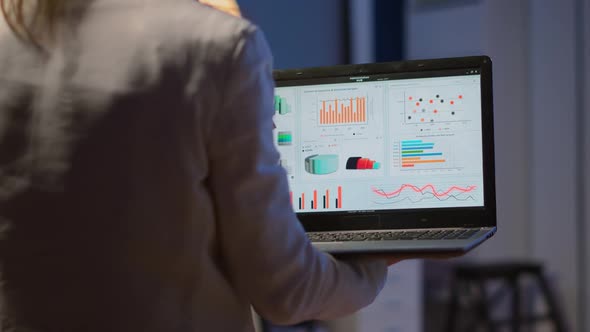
x,y
476,276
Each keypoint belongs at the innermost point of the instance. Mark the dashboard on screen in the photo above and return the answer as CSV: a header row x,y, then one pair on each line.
x,y
382,142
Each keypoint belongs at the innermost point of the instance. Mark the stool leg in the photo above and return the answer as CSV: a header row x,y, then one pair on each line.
x,y
484,311
515,304
453,306
554,313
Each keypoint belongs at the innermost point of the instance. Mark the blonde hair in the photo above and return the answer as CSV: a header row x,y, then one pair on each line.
x,y
27,17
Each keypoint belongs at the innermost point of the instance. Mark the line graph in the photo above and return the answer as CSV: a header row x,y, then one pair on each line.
x,y
380,192
427,195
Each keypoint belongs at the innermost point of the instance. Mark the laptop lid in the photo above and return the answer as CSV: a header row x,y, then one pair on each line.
x,y
389,145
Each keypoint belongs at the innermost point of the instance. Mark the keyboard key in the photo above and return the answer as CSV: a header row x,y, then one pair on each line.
x,y
454,234
428,235
468,234
450,234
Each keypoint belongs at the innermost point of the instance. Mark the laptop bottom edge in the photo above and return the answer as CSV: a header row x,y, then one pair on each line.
x,y
417,246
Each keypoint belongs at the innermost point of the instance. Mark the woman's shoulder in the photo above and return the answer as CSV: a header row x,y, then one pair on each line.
x,y
171,29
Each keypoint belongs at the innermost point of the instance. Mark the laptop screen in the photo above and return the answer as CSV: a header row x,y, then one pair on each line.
x,y
382,142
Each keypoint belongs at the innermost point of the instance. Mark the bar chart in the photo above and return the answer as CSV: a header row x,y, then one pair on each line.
x,y
316,199
416,153
281,105
343,111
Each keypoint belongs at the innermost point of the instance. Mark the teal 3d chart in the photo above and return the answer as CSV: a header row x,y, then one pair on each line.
x,y
321,164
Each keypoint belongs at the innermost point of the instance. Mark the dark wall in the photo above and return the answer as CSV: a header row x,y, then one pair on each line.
x,y
389,30
302,33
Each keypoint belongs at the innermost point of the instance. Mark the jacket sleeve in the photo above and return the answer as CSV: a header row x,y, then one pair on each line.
x,y
265,251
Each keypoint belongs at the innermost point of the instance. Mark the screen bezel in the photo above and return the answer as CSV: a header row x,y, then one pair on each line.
x,y
408,218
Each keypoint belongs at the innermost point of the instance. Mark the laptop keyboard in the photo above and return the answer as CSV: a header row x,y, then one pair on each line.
x,y
459,234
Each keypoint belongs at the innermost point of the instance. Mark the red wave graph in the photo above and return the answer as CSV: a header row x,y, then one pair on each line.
x,y
397,192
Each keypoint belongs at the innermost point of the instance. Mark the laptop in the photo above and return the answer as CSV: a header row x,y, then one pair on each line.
x,y
390,157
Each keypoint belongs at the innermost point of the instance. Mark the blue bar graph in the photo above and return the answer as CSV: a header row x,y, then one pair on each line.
x,y
417,153
417,147
422,154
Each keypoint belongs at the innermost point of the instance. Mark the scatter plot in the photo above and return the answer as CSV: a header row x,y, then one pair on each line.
x,y
423,107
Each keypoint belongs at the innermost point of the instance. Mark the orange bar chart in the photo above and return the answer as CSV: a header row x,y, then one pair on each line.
x,y
343,111
319,200
315,200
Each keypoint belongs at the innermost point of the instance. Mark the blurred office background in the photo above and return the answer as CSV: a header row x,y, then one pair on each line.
x,y
541,55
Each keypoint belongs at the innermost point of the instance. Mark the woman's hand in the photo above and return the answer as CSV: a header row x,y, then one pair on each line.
x,y
392,259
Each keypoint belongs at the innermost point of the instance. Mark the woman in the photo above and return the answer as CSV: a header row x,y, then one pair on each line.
x,y
139,184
